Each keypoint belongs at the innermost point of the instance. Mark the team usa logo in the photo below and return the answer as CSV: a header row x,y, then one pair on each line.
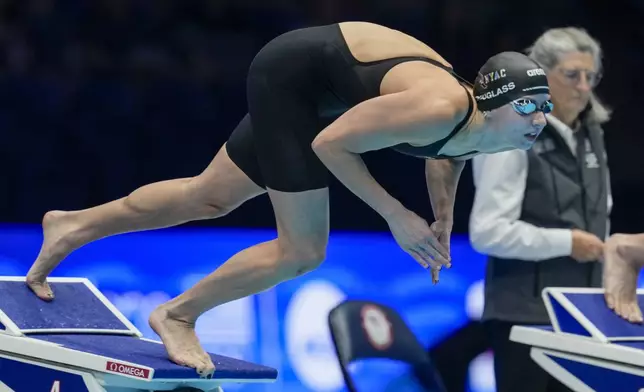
x,y
377,327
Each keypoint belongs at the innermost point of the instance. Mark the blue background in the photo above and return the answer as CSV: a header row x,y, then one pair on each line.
x,y
14,377
284,327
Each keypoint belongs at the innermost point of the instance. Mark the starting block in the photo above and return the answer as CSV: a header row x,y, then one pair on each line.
x,y
80,342
587,346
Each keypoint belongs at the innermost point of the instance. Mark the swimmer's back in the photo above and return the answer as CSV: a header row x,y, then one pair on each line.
x,y
370,42
398,61
302,80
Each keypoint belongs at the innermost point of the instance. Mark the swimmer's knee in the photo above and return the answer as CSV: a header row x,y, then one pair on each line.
x,y
211,204
300,259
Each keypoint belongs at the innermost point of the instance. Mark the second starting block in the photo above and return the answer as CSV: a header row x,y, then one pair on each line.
x,y
587,346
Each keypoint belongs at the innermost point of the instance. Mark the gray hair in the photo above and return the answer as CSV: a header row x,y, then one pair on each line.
x,y
554,43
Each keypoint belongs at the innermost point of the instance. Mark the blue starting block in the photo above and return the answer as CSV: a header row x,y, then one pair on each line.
x,y
80,342
587,347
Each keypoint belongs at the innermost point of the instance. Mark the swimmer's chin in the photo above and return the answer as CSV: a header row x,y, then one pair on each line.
x,y
525,145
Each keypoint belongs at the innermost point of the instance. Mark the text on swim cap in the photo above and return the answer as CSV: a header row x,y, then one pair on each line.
x,y
495,93
535,72
492,76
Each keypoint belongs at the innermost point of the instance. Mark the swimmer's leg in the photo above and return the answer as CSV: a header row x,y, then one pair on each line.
x,y
631,246
623,260
303,230
219,189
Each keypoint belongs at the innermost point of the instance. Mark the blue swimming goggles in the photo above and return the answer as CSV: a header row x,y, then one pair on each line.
x,y
527,106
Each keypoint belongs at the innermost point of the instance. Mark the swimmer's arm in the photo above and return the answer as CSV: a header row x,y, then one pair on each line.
x,y
373,125
442,177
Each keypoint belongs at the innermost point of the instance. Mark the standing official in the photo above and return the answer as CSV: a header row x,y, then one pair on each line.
x,y
542,215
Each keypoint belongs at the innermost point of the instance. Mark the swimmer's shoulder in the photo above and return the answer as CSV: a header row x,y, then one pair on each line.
x,y
439,112
450,93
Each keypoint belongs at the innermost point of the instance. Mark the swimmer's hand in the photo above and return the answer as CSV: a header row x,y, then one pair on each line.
x,y
414,236
442,230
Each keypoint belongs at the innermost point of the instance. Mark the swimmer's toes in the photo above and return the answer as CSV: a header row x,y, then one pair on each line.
x,y
206,369
635,314
610,300
41,289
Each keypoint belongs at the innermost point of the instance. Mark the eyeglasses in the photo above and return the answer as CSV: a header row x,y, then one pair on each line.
x,y
573,76
527,106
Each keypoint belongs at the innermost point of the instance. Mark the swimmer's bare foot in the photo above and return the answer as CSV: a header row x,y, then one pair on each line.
x,y
60,238
620,281
40,287
181,342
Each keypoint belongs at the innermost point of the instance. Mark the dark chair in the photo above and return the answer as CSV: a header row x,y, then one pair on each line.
x,y
454,353
367,330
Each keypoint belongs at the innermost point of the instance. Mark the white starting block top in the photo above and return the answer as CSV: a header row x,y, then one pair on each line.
x,y
82,341
587,346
